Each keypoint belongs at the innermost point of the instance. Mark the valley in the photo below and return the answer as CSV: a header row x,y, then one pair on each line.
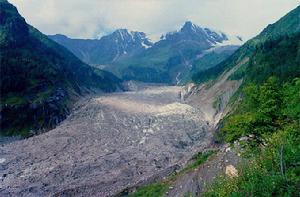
x,y
111,142
196,112
108,143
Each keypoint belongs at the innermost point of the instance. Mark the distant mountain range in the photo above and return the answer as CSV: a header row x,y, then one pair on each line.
x,y
40,79
108,49
173,59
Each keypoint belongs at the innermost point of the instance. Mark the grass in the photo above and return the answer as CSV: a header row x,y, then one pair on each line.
x,y
159,189
198,159
274,171
41,96
23,132
14,100
151,190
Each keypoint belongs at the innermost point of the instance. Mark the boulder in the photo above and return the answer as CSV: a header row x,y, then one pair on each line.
x,y
231,171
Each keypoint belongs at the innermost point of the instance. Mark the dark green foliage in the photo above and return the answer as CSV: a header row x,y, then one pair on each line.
x,y
271,113
273,172
145,74
280,57
240,73
260,112
287,25
263,95
38,76
268,111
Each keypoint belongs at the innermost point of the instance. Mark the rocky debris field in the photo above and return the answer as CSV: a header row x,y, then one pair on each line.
x,y
195,182
108,143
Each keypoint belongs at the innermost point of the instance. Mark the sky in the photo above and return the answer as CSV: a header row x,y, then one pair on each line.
x,y
95,18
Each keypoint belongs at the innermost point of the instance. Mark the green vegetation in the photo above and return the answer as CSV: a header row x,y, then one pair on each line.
x,y
271,38
208,61
239,73
275,171
23,132
268,112
151,190
159,189
212,73
198,159
13,100
38,76
162,62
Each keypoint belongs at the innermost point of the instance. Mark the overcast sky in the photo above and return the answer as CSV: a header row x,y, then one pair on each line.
x,y
93,18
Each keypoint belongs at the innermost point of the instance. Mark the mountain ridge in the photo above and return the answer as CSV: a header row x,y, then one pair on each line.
x,y
172,59
40,79
107,49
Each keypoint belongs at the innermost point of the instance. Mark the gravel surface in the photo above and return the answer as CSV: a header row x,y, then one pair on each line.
x,y
108,143
196,182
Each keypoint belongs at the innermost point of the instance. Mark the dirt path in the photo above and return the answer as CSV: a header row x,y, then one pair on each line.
x,y
195,182
108,143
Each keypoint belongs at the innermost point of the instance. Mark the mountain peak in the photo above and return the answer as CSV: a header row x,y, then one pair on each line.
x,y
189,26
126,37
206,37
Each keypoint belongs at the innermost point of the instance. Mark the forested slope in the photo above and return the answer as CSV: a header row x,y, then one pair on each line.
x,y
39,78
266,111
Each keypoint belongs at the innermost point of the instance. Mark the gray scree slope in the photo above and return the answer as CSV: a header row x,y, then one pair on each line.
x,y
111,142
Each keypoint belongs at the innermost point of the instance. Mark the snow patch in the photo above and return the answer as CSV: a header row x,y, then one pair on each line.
x,y
145,46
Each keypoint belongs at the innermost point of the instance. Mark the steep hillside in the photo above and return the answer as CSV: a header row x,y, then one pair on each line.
x,y
39,78
82,48
286,26
265,114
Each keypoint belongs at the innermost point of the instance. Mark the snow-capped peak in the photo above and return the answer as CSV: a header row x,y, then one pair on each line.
x,y
131,39
189,26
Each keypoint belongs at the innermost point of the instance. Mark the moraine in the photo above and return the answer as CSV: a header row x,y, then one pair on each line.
x,y
108,143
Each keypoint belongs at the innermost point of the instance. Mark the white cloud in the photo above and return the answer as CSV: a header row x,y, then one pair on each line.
x,y
89,18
